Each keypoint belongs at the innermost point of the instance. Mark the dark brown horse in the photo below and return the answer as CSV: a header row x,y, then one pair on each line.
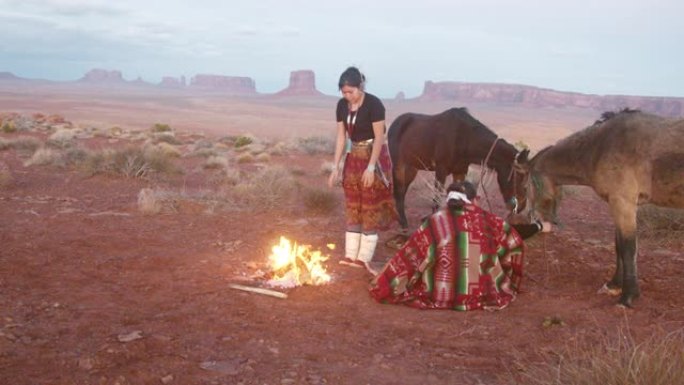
x,y
629,158
447,143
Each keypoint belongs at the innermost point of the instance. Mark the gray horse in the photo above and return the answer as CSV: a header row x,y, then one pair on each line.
x,y
629,158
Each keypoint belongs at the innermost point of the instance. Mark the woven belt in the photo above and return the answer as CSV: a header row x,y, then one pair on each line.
x,y
363,143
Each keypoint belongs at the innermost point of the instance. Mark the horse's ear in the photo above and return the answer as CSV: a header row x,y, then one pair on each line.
x,y
522,161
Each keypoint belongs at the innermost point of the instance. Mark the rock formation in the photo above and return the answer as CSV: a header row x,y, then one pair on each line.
x,y
302,83
494,93
171,82
231,84
97,75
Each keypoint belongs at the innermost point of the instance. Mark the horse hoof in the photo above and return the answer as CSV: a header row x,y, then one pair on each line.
x,y
612,291
626,301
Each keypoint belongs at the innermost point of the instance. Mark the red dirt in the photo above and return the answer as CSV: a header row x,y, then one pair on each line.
x,y
80,266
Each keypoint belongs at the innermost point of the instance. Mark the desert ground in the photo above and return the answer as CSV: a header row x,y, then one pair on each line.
x,y
125,216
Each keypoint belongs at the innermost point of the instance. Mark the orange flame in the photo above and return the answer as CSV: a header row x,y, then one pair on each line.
x,y
296,265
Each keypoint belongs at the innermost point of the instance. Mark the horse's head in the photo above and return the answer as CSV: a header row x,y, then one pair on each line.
x,y
534,185
512,183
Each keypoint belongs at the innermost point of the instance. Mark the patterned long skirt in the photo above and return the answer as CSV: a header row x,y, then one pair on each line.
x,y
371,208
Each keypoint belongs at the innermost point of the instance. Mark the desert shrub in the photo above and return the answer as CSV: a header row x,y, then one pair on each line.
x,y
267,188
75,155
166,149
316,145
148,202
114,131
216,162
24,144
165,137
61,138
327,167
161,127
619,360
9,127
319,200
130,162
245,157
5,175
5,144
660,224
264,157
203,153
243,140
228,176
46,156
280,148
298,171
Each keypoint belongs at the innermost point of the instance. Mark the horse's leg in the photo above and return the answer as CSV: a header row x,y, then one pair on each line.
x,y
624,212
402,177
614,286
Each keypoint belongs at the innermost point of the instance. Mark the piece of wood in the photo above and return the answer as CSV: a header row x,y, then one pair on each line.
x,y
258,290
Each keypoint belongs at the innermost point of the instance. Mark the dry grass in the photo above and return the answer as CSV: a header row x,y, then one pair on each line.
x,y
663,226
321,201
148,202
6,178
615,360
245,157
315,145
216,163
268,188
130,162
165,149
327,167
22,144
62,138
46,156
264,157
165,137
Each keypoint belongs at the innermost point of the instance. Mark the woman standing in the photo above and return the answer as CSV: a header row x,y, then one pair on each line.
x,y
366,176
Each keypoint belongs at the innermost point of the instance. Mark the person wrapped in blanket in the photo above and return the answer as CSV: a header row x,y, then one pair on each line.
x,y
461,257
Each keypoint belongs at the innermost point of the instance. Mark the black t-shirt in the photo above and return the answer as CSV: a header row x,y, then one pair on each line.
x,y
371,110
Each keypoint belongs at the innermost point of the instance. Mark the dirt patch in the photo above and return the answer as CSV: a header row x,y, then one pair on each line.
x,y
96,292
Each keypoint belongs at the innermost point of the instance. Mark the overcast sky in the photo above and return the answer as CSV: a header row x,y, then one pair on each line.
x,y
589,46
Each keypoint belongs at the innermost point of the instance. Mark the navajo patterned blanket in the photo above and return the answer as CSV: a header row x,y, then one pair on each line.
x,y
463,260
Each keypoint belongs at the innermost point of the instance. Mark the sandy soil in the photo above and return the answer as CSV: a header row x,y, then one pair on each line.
x,y
95,292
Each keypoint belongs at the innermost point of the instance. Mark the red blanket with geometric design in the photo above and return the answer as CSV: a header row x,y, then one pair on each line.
x,y
463,260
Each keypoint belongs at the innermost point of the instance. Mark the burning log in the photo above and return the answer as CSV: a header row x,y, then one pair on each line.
x,y
295,265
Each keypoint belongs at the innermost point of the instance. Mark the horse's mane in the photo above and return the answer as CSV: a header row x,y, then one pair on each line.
x,y
464,114
607,115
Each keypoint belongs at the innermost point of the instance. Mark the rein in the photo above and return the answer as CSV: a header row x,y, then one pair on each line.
x,y
485,168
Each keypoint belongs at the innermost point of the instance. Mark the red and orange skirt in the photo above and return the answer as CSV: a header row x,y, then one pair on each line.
x,y
370,208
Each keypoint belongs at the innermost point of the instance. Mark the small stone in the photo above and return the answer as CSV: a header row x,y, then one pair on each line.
x,y
166,379
287,381
86,363
128,337
377,358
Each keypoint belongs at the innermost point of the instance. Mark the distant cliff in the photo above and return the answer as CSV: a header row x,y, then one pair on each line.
x,y
232,84
540,97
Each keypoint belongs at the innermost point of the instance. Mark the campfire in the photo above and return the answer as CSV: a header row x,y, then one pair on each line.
x,y
293,265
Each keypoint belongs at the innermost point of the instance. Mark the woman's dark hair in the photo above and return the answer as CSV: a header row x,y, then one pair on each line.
x,y
351,77
464,187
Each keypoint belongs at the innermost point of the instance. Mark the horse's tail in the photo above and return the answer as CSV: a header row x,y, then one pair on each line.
x,y
394,134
